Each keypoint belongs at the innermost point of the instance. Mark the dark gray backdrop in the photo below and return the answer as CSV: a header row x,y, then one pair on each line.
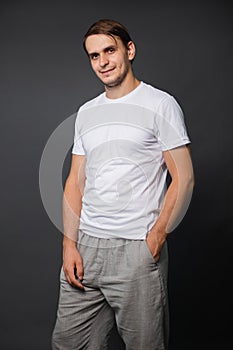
x,y
184,48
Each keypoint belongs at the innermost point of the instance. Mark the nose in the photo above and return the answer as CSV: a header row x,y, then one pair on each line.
x,y
103,60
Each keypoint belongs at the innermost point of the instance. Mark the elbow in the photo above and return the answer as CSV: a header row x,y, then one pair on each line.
x,y
186,181
190,182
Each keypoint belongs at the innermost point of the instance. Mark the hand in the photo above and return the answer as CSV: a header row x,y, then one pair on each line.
x,y
155,245
73,265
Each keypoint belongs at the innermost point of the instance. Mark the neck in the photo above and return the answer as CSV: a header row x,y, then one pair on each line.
x,y
129,84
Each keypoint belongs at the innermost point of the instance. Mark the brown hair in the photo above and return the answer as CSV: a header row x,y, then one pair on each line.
x,y
108,27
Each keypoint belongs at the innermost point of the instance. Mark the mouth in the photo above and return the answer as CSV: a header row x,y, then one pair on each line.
x,y
105,72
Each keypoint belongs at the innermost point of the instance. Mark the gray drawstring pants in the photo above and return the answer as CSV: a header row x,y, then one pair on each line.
x,y
123,284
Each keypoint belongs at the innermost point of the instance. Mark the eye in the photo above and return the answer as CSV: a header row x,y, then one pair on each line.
x,y
94,56
111,50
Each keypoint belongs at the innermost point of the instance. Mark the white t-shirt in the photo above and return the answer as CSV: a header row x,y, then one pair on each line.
x,y
123,140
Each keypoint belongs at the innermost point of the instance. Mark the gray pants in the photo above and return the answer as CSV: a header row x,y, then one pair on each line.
x,y
123,284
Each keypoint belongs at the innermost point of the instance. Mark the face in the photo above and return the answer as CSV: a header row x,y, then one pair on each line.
x,y
109,58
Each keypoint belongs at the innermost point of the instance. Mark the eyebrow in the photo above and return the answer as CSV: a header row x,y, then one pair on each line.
x,y
105,50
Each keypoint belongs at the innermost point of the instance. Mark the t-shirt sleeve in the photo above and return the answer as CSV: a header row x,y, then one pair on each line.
x,y
77,146
169,126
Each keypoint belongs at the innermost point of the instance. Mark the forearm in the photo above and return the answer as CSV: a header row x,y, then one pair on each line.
x,y
72,205
165,213
183,198
175,205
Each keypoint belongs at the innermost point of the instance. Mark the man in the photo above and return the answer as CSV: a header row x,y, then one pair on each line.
x,y
117,211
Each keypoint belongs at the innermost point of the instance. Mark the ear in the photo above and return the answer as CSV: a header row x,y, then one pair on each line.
x,y
131,50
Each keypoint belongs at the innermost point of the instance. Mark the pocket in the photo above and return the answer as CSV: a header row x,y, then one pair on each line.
x,y
148,252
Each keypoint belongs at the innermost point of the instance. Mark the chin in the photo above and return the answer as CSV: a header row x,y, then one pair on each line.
x,y
113,83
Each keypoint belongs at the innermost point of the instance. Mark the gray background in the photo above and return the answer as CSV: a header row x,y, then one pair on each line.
x,y
184,48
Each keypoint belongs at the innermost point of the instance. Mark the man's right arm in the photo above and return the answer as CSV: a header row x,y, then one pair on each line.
x,y
72,205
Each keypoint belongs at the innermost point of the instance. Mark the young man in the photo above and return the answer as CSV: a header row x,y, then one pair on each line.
x,y
117,211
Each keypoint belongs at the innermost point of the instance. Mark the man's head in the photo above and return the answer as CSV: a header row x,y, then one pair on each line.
x,y
108,27
111,51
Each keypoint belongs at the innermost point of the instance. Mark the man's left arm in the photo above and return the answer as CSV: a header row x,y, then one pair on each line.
x,y
177,198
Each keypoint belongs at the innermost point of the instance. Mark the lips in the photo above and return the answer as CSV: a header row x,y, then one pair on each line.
x,y
107,71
